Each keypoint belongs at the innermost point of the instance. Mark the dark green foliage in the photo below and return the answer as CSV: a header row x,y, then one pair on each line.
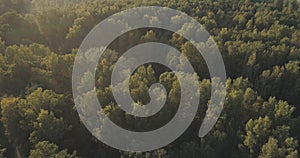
x,y
49,150
259,41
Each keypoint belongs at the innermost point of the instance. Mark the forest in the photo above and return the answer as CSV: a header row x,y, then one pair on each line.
x,y
259,41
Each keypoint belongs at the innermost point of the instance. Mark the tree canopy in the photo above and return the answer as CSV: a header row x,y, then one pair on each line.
x,y
258,40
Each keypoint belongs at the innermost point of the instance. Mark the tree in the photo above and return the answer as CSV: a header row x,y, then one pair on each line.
x,y
15,29
160,153
59,69
10,119
46,149
20,6
140,84
270,149
274,129
48,127
190,150
256,130
2,152
54,25
19,116
278,4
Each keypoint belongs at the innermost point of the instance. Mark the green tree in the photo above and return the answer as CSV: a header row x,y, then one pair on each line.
x,y
16,29
54,25
270,149
2,153
48,127
46,149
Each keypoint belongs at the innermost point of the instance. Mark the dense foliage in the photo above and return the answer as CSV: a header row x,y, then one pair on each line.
x,y
259,41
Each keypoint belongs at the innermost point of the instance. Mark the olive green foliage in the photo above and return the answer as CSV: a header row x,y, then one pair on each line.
x,y
259,41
